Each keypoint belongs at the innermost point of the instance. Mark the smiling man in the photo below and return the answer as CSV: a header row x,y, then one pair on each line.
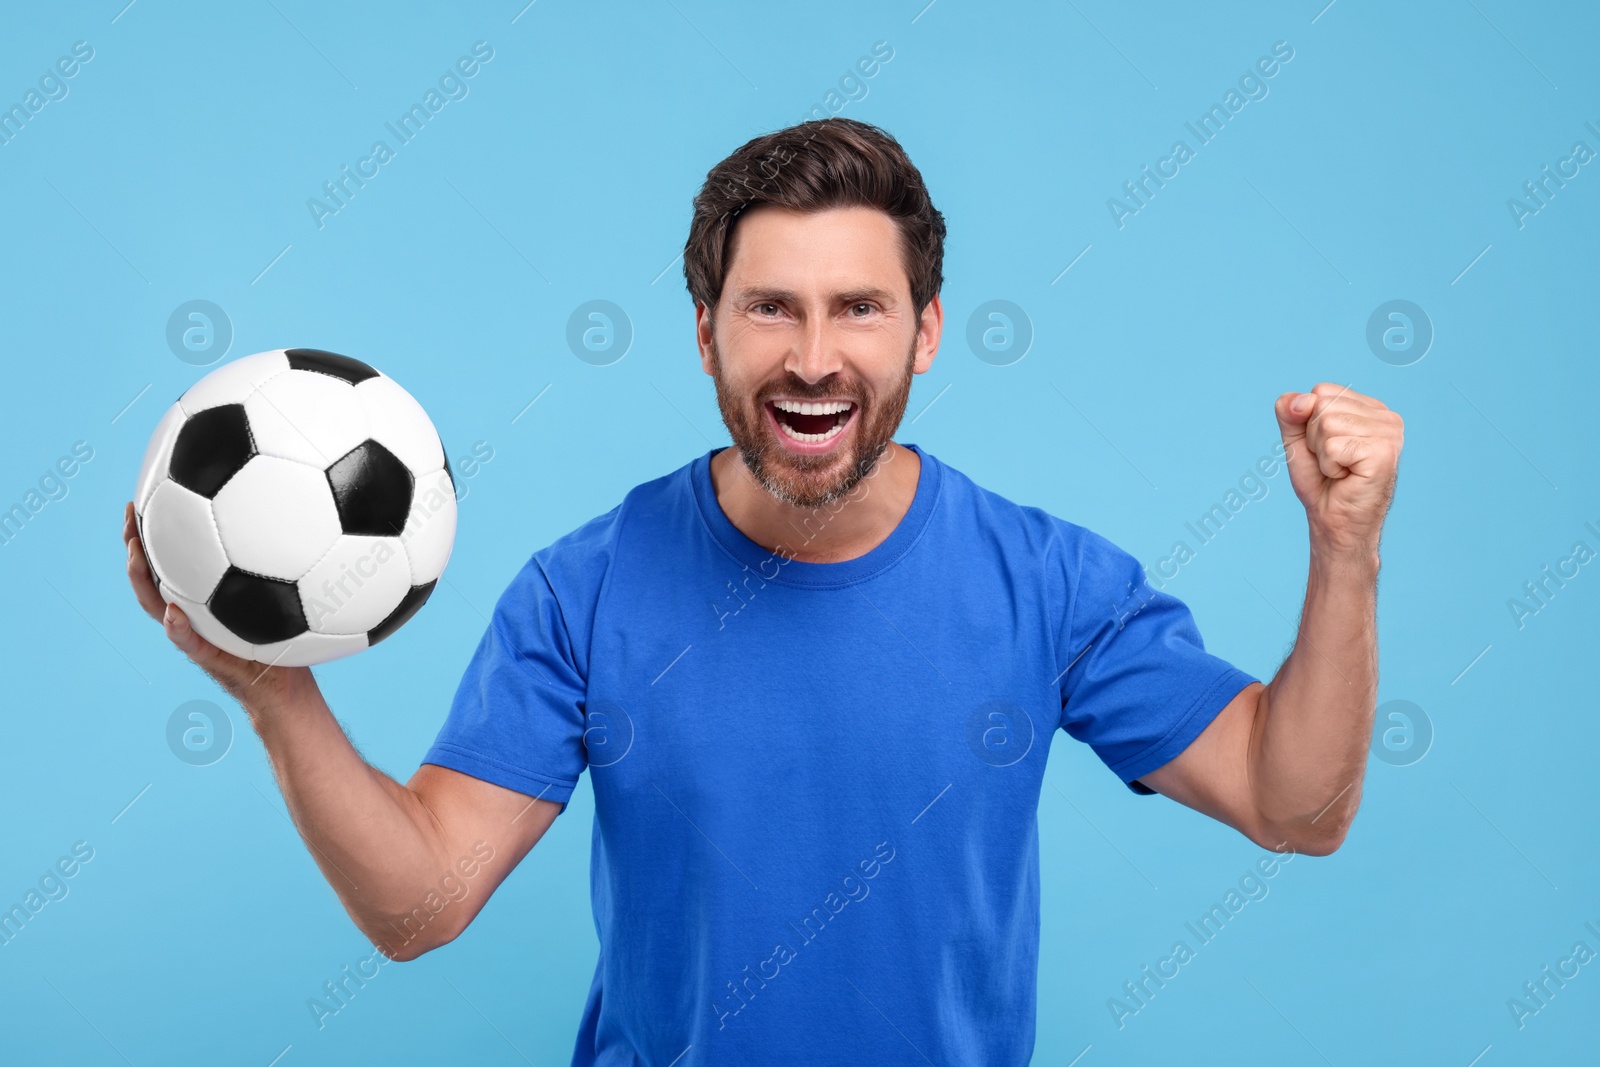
x,y
815,677
826,337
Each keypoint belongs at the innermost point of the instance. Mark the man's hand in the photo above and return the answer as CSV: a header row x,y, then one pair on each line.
x,y
1343,451
254,685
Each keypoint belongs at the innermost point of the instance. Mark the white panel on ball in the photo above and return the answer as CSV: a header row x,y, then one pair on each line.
x,y
182,541
277,517
356,585
232,382
430,527
309,649
399,424
206,625
306,416
157,455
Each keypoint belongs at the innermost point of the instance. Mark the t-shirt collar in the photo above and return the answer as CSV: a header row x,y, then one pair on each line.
x,y
773,566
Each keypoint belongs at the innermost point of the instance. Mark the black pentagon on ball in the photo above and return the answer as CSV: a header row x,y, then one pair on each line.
x,y
210,449
259,610
415,597
371,489
330,363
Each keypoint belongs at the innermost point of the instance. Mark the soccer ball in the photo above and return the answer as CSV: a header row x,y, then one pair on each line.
x,y
297,505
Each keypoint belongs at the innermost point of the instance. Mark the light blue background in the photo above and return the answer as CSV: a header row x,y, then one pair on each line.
x,y
1378,168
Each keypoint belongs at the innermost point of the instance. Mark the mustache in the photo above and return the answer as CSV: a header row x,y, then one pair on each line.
x,y
796,389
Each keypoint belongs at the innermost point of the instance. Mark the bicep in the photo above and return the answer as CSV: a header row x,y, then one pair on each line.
x,y
486,829
1212,774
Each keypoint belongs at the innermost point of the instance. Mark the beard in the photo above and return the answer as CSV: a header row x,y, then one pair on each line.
x,y
811,481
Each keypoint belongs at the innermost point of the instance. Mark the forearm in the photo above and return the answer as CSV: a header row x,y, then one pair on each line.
x,y
1314,721
376,843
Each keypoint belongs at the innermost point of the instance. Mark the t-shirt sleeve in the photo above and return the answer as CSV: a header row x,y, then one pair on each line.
x,y
1139,685
517,716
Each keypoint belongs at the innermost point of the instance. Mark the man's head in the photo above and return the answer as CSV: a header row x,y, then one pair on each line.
x,y
815,261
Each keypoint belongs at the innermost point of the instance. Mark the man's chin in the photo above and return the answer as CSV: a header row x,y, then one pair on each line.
x,y
809,481
800,481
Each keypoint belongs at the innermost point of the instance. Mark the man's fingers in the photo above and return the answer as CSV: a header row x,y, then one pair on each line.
x,y
139,573
1343,433
191,644
1330,467
1338,422
231,672
1341,456
1380,430
1335,391
144,583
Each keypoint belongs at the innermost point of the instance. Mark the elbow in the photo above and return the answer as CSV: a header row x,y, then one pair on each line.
x,y
405,952
1307,833
412,944
1322,844
1315,838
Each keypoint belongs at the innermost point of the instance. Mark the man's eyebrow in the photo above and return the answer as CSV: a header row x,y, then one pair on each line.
x,y
764,292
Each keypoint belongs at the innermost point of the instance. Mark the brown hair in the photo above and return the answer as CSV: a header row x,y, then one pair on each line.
x,y
813,166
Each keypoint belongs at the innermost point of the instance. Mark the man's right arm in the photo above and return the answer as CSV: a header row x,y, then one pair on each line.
x,y
413,864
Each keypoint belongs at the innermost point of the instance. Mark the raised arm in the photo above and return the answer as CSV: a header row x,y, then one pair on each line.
x,y
1283,763
412,864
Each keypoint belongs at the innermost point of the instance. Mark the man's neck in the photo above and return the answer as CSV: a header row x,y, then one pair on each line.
x,y
851,526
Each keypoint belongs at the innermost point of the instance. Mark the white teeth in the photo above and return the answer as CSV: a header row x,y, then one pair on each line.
x,y
820,407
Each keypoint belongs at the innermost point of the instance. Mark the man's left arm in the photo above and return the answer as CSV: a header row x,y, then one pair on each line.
x,y
1283,762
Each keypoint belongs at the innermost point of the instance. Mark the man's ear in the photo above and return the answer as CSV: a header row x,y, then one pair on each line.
x,y
703,333
929,331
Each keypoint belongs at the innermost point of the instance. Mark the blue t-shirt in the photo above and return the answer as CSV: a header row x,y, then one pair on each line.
x,y
816,784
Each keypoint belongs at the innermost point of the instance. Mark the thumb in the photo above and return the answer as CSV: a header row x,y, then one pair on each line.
x,y
1294,411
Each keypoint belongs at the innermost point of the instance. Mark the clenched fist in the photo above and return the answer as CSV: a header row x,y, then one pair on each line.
x,y
1343,452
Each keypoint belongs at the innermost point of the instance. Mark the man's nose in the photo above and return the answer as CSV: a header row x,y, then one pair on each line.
x,y
815,353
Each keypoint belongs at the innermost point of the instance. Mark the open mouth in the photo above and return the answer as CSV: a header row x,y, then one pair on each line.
x,y
811,422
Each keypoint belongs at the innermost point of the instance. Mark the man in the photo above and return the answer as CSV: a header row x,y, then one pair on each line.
x,y
815,676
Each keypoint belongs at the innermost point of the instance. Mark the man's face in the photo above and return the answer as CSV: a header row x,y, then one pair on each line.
x,y
816,311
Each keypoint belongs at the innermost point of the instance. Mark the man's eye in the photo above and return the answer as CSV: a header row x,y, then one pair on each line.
x,y
855,307
760,308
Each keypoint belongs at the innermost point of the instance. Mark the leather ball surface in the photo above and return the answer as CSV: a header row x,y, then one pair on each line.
x,y
297,505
